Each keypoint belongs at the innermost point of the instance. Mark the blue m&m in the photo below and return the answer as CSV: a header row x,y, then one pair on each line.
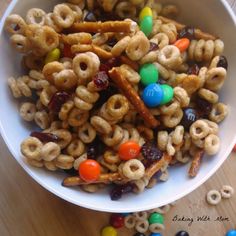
x,y
152,95
232,232
155,234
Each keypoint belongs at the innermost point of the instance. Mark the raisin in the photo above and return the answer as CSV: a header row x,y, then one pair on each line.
x,y
119,190
101,80
57,100
95,149
204,106
193,69
71,172
44,137
187,32
223,62
153,47
90,17
151,152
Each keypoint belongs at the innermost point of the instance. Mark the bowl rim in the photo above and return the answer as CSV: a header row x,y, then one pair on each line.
x,y
99,207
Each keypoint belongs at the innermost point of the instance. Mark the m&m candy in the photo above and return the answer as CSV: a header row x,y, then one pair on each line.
x,y
129,150
149,74
146,11
156,218
231,232
89,170
168,93
146,25
53,55
152,95
109,231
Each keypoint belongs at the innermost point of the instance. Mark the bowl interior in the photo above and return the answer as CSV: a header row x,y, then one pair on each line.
x,y
215,18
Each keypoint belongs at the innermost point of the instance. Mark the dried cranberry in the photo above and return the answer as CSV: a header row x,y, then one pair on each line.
x,y
90,17
114,61
117,221
57,100
72,172
193,69
151,152
67,51
223,62
101,80
153,47
204,106
96,148
119,190
189,117
187,32
44,137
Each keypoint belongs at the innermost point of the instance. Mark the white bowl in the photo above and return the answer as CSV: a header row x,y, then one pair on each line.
x,y
213,16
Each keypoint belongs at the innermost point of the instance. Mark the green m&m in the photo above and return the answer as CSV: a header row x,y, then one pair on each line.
x,y
146,25
149,74
156,218
168,93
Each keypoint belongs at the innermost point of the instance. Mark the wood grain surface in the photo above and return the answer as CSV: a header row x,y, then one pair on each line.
x,y
26,209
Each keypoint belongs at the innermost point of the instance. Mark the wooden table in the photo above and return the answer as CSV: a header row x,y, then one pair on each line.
x,y
26,209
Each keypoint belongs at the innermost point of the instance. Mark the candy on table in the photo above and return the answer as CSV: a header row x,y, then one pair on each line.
x,y
155,234
109,231
146,20
149,74
234,149
156,218
139,234
129,150
54,55
89,170
117,220
182,233
152,95
231,232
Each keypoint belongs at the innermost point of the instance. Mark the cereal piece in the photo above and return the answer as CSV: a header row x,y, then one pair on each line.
x,y
76,148
79,160
170,30
130,221
42,119
226,191
164,176
50,151
64,162
142,226
195,165
87,133
199,129
15,24
14,88
138,46
125,60
156,227
197,33
78,14
133,169
102,27
212,144
120,46
101,125
170,109
142,215
208,95
191,84
182,157
27,111
133,97
215,78
86,65
65,110
169,56
173,119
131,75
49,21
64,137
125,10
178,135
77,117
161,39
20,43
65,79
35,16
213,197
111,157
31,148
114,137
63,16
90,188
162,140
218,112
35,163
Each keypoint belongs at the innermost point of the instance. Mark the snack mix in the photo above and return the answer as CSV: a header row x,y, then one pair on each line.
x,y
120,92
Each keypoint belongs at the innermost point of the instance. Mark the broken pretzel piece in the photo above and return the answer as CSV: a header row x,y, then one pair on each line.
x,y
76,38
133,96
198,33
195,165
102,27
103,179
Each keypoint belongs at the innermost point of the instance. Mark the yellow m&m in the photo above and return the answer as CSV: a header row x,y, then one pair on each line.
x,y
146,11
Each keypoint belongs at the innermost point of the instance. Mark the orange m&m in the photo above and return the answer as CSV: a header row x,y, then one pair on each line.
x,y
89,170
182,44
129,150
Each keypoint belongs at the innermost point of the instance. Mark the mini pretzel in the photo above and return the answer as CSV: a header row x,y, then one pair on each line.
x,y
133,97
101,52
125,60
104,178
102,27
198,33
77,38
194,168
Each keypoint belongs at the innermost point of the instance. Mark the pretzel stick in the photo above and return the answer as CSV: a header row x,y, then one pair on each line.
x,y
195,165
125,60
101,52
197,33
155,167
101,27
77,38
132,96
103,179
